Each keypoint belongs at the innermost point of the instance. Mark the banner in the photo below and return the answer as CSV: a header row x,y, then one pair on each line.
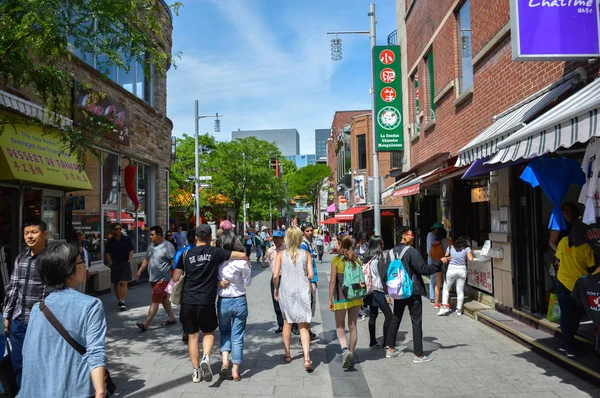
x,y
388,98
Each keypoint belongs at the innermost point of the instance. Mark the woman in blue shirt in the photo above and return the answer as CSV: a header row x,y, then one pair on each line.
x,y
52,367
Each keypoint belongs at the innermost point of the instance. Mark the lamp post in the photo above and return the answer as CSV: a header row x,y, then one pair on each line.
x,y
217,128
336,55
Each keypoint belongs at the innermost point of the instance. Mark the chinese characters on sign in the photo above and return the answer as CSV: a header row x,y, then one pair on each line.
x,y
479,275
388,99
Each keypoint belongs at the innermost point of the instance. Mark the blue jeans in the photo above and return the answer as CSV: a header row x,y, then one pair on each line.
x,y
233,313
17,336
432,287
258,253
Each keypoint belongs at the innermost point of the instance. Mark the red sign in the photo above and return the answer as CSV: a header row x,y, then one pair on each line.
x,y
388,213
388,94
407,191
387,57
387,75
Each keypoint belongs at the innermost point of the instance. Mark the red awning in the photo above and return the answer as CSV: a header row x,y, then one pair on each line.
x,y
408,191
332,221
348,215
125,218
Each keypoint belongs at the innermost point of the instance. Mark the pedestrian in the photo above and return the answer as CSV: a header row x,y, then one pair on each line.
x,y
361,245
169,238
436,247
307,244
180,237
339,303
458,253
24,289
119,252
249,241
234,276
51,366
320,244
416,268
378,300
85,256
159,260
293,293
257,243
198,310
265,238
191,239
278,246
327,241
576,260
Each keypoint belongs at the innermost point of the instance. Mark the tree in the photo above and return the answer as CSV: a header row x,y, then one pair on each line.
x,y
38,37
306,183
242,168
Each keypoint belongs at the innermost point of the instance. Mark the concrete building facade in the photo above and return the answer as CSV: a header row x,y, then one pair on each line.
x,y
287,140
321,136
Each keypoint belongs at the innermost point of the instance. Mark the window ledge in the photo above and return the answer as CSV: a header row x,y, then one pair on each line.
x,y
420,115
429,126
498,37
443,93
414,138
464,97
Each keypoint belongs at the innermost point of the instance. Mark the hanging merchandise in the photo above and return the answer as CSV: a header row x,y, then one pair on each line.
x,y
554,176
591,168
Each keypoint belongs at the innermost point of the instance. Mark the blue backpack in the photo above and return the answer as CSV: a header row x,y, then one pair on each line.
x,y
399,282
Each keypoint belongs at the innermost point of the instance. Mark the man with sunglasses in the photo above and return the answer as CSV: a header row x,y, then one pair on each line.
x,y
119,251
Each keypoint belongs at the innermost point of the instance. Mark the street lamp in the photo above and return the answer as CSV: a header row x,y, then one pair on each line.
x,y
196,175
336,55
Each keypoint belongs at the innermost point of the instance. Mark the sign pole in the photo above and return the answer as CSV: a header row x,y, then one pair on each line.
x,y
197,192
376,186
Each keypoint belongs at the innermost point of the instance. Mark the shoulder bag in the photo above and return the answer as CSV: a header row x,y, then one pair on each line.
x,y
110,385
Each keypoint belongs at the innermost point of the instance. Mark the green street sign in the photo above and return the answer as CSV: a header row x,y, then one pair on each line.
x,y
388,99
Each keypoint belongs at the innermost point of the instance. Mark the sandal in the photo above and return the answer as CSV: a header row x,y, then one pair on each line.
x,y
238,378
308,366
224,370
287,358
169,322
141,326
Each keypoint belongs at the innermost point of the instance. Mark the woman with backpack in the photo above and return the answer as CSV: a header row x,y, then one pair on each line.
x,y
346,290
375,271
458,253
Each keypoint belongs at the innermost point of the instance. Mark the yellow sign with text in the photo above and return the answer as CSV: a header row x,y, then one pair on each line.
x,y
29,154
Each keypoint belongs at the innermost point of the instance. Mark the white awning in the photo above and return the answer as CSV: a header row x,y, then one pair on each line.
x,y
573,120
485,144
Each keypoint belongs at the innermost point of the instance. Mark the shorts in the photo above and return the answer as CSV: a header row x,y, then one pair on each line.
x,y
196,317
158,291
120,272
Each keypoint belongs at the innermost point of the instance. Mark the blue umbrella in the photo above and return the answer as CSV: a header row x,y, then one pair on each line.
x,y
554,175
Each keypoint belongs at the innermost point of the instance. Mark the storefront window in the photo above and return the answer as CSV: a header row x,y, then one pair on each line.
x,y
32,205
110,179
136,224
465,54
83,210
51,211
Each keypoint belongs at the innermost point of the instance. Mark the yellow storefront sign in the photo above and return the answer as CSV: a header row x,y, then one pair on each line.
x,y
29,154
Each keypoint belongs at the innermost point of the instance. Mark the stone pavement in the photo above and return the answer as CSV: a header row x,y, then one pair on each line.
x,y
469,359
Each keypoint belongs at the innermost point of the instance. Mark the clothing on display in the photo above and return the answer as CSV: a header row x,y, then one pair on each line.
x,y
591,167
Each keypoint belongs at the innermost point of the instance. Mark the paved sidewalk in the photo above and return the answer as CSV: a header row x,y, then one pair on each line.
x,y
470,359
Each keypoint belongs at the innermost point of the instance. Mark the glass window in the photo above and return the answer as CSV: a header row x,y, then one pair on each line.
x,y
126,78
143,215
83,210
431,85
464,47
415,81
361,142
110,179
140,82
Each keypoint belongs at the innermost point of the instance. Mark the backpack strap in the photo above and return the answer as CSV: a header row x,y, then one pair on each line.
x,y
61,329
403,252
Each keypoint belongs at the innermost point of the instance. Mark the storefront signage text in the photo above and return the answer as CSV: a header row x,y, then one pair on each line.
x,y
92,103
479,275
388,213
407,191
554,29
388,98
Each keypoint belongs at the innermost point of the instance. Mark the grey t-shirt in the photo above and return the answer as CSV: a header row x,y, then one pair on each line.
x,y
160,258
459,258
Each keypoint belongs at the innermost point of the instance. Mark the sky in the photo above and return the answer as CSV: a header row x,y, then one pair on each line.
x,y
266,64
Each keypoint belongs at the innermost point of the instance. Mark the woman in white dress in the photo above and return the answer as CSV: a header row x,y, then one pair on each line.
x,y
292,275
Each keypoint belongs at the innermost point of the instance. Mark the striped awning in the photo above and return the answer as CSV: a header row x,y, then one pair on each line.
x,y
511,120
573,120
413,186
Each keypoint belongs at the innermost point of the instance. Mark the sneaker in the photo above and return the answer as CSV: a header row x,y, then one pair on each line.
x,y
393,354
458,312
443,311
436,306
432,301
196,376
375,345
570,354
206,370
346,358
313,336
278,330
119,303
295,331
422,359
122,306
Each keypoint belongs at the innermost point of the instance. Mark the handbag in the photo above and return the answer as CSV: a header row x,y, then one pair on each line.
x,y
178,288
8,380
110,385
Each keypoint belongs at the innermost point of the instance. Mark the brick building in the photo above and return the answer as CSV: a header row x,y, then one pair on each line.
x,y
468,101
70,200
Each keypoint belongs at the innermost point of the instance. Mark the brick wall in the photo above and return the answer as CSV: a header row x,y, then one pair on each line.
x,y
499,82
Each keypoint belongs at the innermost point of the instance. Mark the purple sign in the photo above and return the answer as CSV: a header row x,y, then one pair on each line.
x,y
554,29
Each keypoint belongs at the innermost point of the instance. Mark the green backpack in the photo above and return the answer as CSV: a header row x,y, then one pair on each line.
x,y
354,286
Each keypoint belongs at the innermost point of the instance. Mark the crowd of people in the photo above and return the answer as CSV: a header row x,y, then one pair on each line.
x,y
214,272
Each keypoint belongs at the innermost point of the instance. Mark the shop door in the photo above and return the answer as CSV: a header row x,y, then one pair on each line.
x,y
527,252
9,227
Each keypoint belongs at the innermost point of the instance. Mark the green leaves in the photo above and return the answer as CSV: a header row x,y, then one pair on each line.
x,y
307,181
